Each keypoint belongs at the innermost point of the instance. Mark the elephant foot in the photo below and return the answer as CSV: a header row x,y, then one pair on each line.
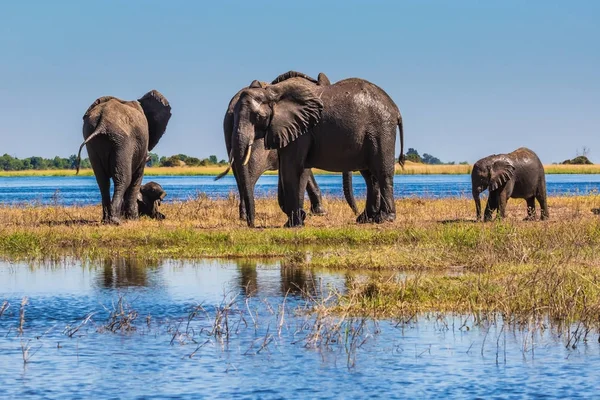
x,y
111,221
318,210
545,217
382,217
363,218
160,216
296,219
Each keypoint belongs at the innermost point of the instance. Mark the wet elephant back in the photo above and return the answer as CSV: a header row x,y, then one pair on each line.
x,y
530,173
356,114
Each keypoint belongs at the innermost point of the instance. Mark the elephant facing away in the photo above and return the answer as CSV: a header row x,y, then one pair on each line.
x,y
118,135
260,159
149,199
519,175
347,126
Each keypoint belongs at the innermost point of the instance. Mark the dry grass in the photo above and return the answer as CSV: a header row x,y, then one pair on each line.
x,y
428,233
409,169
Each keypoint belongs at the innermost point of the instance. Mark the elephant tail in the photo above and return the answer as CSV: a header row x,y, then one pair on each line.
x,y
402,158
348,192
99,130
222,174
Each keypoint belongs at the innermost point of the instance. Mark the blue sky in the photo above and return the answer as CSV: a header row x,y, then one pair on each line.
x,y
471,78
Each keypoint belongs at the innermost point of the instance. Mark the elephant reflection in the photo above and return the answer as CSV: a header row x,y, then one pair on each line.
x,y
248,277
122,272
297,280
293,280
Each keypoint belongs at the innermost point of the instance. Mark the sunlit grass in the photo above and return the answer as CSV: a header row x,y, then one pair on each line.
x,y
428,233
409,169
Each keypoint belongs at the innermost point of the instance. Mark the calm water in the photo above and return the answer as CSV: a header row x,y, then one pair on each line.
x,y
269,353
83,190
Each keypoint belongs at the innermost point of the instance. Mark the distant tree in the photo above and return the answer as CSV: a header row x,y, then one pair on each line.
x,y
172,161
223,162
429,159
153,160
192,161
213,160
181,157
463,163
413,155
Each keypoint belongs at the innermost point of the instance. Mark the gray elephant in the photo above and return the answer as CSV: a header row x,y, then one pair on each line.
x,y
346,126
149,199
118,135
261,159
519,175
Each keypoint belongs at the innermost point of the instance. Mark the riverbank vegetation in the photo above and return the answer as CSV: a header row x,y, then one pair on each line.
x,y
520,270
211,170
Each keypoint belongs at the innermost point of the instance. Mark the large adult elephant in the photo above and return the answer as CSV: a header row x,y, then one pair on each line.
x,y
519,175
346,126
260,159
118,135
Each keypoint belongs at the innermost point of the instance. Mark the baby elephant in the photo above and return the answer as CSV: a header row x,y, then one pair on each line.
x,y
519,175
149,198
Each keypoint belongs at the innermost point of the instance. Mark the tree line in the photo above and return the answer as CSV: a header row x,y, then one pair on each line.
x,y
10,163
413,155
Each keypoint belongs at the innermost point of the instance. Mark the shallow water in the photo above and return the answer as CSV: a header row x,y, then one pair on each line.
x,y
84,190
269,353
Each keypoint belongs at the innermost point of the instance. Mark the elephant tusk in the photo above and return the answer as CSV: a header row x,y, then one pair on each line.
x,y
248,155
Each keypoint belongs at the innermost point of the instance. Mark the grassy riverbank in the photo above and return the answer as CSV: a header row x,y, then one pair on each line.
x,y
513,268
410,169
428,233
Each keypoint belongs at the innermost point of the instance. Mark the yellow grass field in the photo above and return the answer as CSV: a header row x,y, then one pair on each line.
x,y
409,169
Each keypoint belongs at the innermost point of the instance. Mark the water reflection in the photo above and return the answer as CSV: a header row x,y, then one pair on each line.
x,y
292,279
121,272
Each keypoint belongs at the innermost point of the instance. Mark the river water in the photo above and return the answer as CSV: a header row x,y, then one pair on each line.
x,y
263,345
84,190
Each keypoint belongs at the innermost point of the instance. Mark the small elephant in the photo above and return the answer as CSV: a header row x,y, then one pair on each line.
x,y
149,199
118,135
519,175
260,159
346,126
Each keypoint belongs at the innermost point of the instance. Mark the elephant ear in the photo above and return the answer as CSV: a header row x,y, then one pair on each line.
x,y
323,80
99,100
501,172
158,112
295,110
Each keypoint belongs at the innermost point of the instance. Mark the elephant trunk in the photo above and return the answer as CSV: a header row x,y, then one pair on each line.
x,y
477,203
242,150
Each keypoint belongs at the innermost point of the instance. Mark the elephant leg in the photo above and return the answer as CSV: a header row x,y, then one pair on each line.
x,y
387,209
122,181
314,194
490,206
291,186
502,200
103,180
130,200
541,198
530,209
280,194
104,185
373,198
242,204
